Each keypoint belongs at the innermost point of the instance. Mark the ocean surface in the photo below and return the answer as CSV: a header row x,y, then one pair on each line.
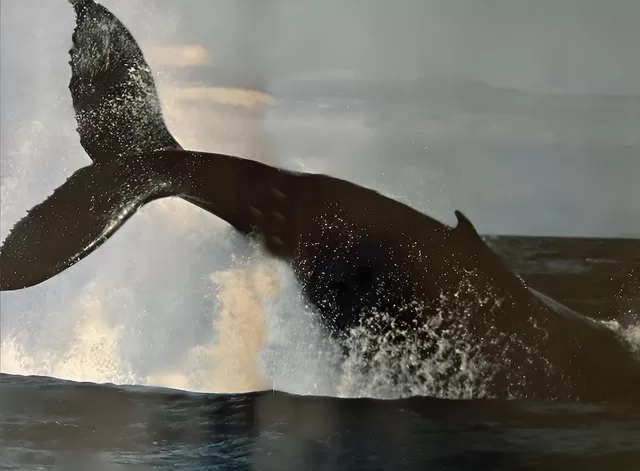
x,y
49,423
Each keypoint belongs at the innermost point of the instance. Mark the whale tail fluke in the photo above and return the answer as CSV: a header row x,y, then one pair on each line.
x,y
135,159
96,200
120,123
114,95
76,219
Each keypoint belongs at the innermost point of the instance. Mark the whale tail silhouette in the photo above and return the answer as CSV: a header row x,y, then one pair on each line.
x,y
96,200
120,123
122,129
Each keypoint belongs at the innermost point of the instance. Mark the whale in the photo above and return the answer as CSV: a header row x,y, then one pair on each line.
x,y
362,259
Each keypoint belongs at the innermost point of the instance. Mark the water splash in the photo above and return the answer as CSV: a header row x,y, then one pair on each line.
x,y
256,341
93,355
454,367
627,329
229,362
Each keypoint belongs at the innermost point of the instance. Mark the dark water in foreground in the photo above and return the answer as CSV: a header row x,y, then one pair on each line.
x,y
51,424
47,423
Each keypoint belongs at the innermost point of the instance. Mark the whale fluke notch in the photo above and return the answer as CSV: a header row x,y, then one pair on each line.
x,y
114,95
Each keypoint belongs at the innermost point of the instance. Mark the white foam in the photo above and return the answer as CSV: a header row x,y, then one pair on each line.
x,y
627,330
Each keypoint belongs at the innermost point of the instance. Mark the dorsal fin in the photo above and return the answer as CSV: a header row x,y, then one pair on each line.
x,y
465,225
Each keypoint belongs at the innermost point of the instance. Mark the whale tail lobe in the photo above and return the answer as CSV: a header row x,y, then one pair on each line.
x,y
114,95
76,219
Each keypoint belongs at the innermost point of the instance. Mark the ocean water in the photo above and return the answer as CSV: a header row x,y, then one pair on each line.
x,y
50,423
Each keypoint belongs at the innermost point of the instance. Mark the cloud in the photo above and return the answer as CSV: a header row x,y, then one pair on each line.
x,y
181,55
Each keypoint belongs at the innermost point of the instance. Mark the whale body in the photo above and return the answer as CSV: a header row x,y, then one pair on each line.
x,y
361,258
